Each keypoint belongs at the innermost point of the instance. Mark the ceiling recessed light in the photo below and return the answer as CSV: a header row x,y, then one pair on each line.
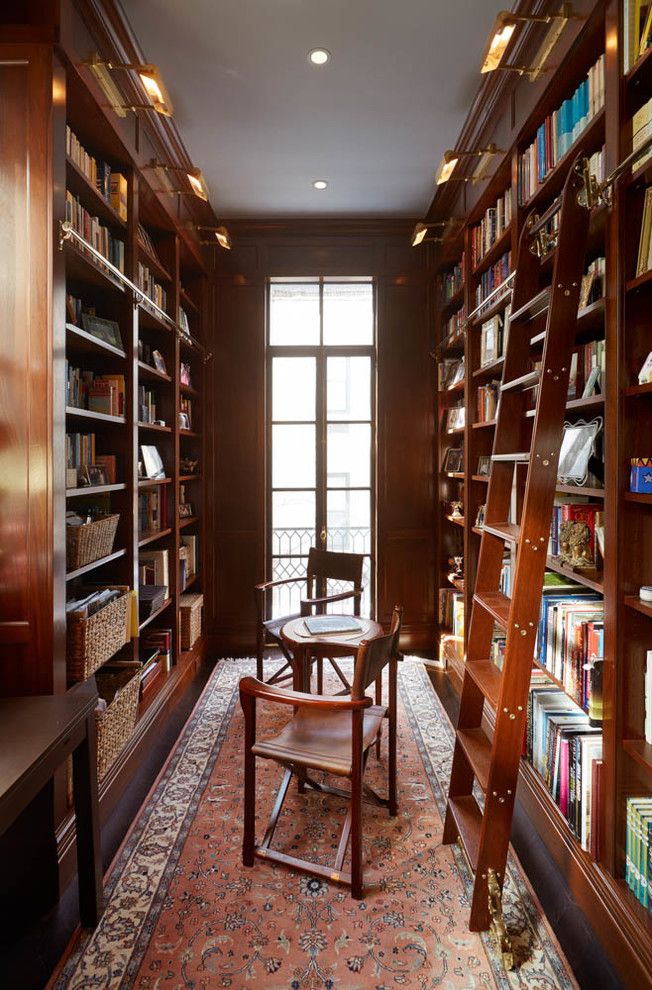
x,y
319,56
320,183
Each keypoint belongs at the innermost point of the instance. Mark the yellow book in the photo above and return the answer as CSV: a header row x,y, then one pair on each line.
x,y
119,194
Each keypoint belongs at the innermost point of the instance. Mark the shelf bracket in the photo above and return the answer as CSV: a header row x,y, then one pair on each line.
x,y
498,927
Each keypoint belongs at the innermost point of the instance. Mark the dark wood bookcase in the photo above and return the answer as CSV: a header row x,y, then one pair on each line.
x,y
48,85
618,320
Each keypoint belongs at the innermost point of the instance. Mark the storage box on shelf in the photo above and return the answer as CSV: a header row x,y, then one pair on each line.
x,y
91,640
190,609
119,687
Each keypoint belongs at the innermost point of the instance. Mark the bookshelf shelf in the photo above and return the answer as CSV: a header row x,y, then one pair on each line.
x,y
188,390
457,520
94,490
156,268
81,340
151,482
588,576
455,301
154,616
641,751
187,302
484,425
639,282
155,427
187,521
641,497
487,310
596,493
633,601
146,371
80,571
149,536
480,477
82,270
454,474
80,186
637,390
97,417
457,387
492,369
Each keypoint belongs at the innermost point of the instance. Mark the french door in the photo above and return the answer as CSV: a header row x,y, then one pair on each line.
x,y
321,411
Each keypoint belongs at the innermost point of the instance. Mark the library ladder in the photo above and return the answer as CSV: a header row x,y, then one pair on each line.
x,y
492,765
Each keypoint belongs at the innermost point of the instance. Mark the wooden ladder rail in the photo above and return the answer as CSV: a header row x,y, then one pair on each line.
x,y
494,764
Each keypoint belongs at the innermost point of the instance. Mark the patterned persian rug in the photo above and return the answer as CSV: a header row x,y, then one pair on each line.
x,y
182,911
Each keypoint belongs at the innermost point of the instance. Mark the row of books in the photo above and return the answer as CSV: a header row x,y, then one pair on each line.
x,y
494,223
97,393
644,258
638,870
566,751
80,450
641,131
152,509
147,242
149,285
587,369
493,277
493,336
487,402
185,407
451,610
97,235
453,281
569,637
559,131
637,31
111,185
146,404
456,323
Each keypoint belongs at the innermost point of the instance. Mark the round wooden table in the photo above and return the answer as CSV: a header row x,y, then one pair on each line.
x,y
303,645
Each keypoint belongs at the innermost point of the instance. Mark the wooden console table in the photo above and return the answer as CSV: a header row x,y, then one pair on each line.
x,y
36,736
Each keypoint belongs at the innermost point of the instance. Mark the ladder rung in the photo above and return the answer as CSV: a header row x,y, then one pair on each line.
x,y
468,821
538,339
522,455
485,674
535,307
521,384
496,604
504,530
477,749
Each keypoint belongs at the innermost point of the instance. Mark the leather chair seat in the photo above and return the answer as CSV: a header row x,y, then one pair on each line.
x,y
320,739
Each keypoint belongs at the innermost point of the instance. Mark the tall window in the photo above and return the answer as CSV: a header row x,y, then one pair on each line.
x,y
321,405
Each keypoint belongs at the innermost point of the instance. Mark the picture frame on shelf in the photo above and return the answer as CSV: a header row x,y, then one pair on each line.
x,y
185,510
578,447
484,466
159,362
645,374
185,377
108,331
454,375
95,474
152,463
479,519
453,460
184,422
455,419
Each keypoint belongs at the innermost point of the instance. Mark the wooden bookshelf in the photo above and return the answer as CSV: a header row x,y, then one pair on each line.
x,y
619,319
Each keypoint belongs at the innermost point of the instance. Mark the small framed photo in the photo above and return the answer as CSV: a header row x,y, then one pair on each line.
x,y
455,419
107,331
185,374
484,465
152,463
184,422
455,374
453,460
577,449
479,519
185,509
159,363
95,474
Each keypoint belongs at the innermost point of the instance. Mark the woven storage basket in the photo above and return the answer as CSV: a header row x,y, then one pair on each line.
x,y
119,687
87,543
190,607
91,642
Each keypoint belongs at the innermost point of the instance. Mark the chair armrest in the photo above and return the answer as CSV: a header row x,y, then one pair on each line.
x,y
310,602
250,686
274,584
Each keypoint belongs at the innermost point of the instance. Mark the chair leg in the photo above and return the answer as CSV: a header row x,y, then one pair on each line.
x,y
320,675
249,836
391,754
356,807
379,701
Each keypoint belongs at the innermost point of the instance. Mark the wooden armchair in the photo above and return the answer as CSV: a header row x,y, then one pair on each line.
x,y
329,733
323,566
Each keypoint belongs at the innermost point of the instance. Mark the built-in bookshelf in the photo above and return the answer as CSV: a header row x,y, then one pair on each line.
x,y
591,689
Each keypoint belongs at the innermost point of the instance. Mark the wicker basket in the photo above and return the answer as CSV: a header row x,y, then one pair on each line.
x,y
87,543
119,687
91,642
190,607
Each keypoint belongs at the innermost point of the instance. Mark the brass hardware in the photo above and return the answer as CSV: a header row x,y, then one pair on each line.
x,y
498,928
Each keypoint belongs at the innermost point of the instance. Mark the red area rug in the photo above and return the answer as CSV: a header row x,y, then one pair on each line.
x,y
182,911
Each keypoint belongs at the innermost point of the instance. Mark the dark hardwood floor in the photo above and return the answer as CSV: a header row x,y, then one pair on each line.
x,y
27,959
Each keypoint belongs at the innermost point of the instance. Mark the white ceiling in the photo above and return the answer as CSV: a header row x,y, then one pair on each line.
x,y
262,123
